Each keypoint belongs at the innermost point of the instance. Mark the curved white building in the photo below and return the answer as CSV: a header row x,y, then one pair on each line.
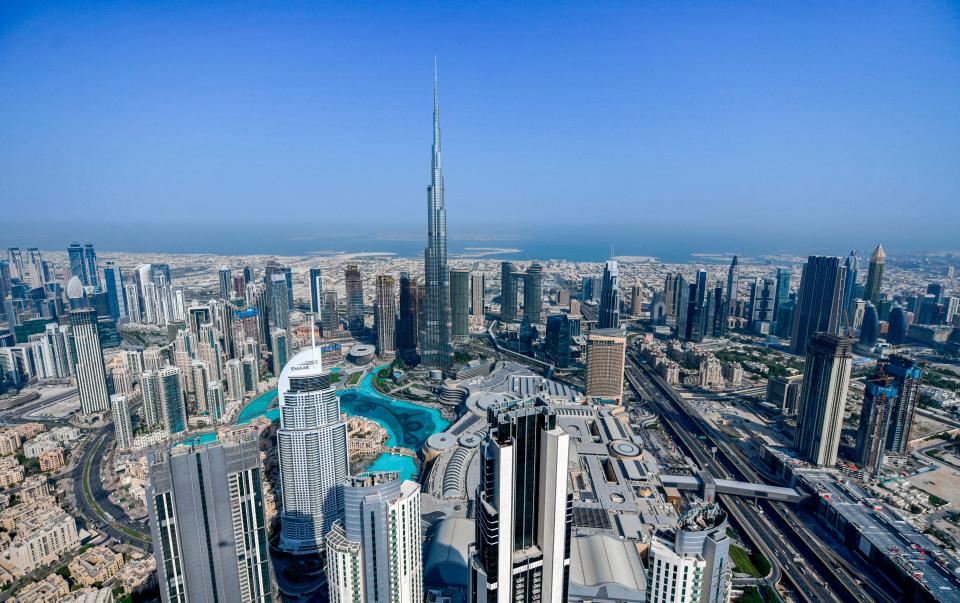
x,y
312,447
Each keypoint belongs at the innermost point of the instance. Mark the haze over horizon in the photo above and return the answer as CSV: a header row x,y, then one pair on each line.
x,y
811,124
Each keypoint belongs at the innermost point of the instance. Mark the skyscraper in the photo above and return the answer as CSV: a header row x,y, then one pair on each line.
x,y
824,394
608,315
897,326
783,292
852,264
207,523
375,552
93,275
408,329
636,299
460,303
312,449
870,326
686,304
279,302
116,292
533,293
225,279
733,283
316,292
819,301
477,288
171,398
879,396
508,293
907,374
354,288
694,566
437,349
120,409
560,332
523,513
871,289
606,355
385,315
17,269
330,322
88,361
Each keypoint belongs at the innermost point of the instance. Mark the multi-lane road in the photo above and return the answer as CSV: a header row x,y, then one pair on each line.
x,y
817,575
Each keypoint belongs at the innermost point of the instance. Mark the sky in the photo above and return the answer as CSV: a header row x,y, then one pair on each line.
x,y
806,118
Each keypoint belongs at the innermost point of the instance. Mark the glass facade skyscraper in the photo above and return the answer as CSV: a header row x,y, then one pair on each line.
x,y
436,350
608,315
819,301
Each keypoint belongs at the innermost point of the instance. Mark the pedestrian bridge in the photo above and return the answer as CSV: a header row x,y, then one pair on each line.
x,y
708,488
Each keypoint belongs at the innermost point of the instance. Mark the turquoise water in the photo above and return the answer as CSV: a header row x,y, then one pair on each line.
x,y
407,425
199,439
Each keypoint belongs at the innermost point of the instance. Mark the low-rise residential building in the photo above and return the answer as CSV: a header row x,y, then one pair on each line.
x,y
41,540
89,595
51,460
34,448
16,515
49,590
11,471
95,565
34,488
28,430
138,574
9,442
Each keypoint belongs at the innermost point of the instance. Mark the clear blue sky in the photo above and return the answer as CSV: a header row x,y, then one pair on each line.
x,y
745,116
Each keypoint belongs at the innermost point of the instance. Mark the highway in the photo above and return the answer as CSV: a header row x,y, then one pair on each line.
x,y
93,501
779,538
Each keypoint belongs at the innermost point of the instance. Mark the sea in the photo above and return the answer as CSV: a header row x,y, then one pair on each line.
x,y
580,243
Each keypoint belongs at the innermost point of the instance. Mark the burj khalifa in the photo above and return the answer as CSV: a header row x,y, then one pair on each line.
x,y
436,349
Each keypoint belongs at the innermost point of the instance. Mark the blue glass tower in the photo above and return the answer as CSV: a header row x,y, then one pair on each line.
x,y
436,349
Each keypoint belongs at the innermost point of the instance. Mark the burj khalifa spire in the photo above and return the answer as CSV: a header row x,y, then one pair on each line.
x,y
436,349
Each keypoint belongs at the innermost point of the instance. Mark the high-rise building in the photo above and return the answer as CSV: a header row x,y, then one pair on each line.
x,y
508,293
207,520
436,350
733,283
906,374
477,288
316,292
869,325
852,264
116,293
606,355
524,512
826,379
279,303
88,361
897,326
225,279
879,397
172,401
871,289
280,346
636,300
122,427
533,293
674,287
93,275
762,294
460,303
330,321
408,329
354,289
819,301
375,552
608,315
385,315
17,269
783,292
694,566
312,449
561,329
686,306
